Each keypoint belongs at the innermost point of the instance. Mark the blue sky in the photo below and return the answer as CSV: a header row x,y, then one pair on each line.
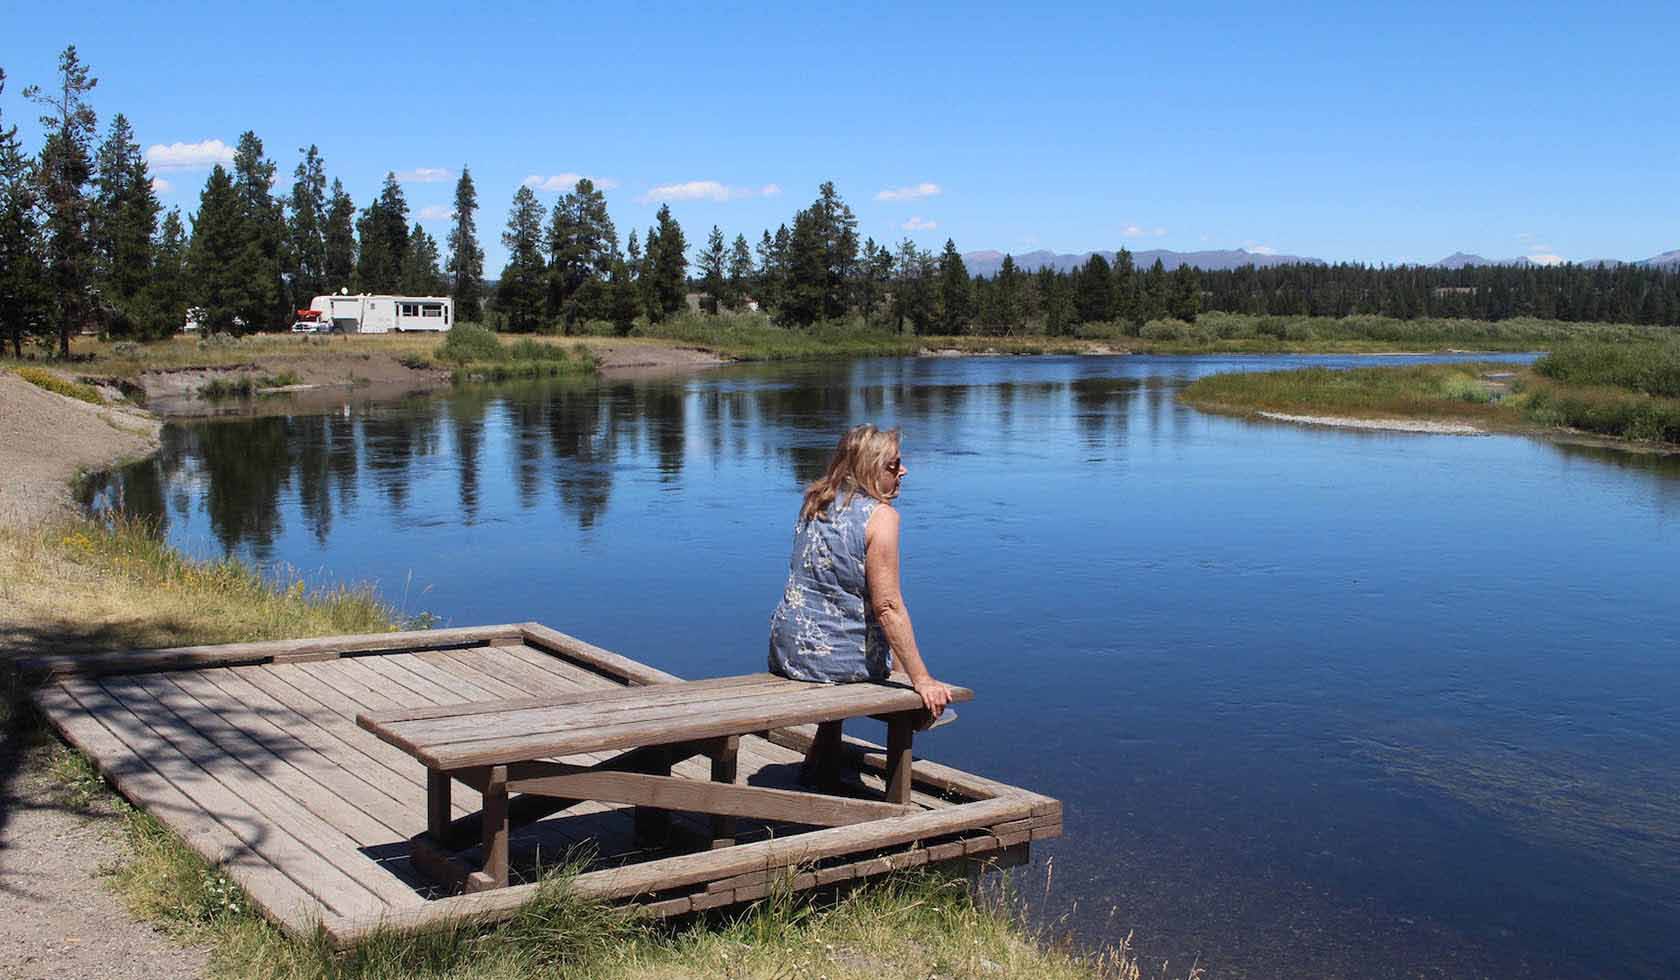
x,y
1377,133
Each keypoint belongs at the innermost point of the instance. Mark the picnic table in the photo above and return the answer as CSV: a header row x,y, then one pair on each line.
x,y
508,750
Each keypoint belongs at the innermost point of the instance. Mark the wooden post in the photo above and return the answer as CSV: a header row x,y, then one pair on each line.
x,y
901,731
724,770
437,805
823,759
495,873
653,826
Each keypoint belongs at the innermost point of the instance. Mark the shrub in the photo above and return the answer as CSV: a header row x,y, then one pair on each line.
x,y
41,378
219,388
1652,368
211,341
469,342
126,348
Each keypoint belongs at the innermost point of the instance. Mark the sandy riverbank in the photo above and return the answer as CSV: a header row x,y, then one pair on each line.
x,y
1386,425
46,440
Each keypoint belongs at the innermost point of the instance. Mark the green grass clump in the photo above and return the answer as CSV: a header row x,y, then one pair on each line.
x,y
218,388
1651,367
1427,390
1602,410
479,355
42,378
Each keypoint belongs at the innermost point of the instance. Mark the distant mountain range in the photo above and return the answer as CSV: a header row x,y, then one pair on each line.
x,y
1458,260
987,263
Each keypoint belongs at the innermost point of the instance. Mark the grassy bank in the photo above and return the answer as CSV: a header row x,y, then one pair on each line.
x,y
475,353
1622,390
84,585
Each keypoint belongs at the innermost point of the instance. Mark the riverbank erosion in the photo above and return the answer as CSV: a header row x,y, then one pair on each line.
x,y
104,890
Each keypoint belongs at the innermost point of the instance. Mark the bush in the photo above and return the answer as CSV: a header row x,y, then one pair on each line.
x,y
469,342
211,341
1652,367
1167,330
41,378
126,348
218,388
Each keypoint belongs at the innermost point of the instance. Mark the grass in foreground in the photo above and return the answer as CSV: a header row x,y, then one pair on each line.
x,y
82,584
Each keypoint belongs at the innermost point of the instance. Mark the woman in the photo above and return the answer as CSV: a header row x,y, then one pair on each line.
x,y
842,618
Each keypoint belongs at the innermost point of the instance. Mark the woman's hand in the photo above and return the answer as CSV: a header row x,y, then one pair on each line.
x,y
935,696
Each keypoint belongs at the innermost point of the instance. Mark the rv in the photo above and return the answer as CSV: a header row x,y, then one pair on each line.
x,y
383,314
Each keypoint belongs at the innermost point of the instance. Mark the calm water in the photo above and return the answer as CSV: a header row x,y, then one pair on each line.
x,y
1320,703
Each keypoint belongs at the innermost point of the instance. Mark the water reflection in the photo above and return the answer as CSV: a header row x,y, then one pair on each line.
x,y
566,441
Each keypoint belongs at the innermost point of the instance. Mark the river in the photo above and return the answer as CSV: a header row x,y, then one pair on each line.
x,y
1319,702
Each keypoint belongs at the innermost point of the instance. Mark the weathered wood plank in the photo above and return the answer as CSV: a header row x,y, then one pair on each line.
x,y
654,876
333,713
228,654
553,663
605,701
868,755
606,662
694,796
234,721
511,662
283,900
330,885
267,787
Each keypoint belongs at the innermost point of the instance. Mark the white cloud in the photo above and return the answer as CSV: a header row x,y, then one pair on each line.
x,y
566,181
1262,250
188,156
1544,255
918,223
425,175
435,212
916,193
1138,231
706,190
161,186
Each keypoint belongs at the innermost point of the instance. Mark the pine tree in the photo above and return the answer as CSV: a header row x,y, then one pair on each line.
x,y
768,277
168,296
1125,301
1155,298
262,301
420,273
1186,294
306,231
956,294
383,235
218,242
63,173
339,240
1008,296
623,301
519,295
1094,290
914,299
24,310
740,273
466,259
123,222
713,277
667,254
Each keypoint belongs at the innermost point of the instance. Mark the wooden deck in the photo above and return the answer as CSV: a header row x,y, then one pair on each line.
x,y
252,754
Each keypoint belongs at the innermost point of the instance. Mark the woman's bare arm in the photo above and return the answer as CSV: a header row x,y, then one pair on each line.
x,y
880,567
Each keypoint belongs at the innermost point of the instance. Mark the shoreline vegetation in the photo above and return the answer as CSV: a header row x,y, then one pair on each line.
x,y
1627,391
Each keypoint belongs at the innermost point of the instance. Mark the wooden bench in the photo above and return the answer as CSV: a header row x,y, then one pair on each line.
x,y
508,747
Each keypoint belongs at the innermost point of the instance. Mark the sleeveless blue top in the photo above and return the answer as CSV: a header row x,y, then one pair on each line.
x,y
824,629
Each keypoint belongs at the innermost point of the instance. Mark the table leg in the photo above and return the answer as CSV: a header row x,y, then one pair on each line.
x,y
901,731
724,770
653,825
437,804
495,817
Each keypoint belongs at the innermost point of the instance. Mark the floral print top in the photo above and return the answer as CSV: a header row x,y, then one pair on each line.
x,y
824,629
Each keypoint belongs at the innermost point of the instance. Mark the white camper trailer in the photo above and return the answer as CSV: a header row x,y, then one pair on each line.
x,y
385,314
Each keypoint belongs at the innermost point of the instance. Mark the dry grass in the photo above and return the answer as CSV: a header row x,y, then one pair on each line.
x,y
1451,392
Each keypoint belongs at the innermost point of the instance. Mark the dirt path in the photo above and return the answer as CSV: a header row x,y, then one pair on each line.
x,y
61,922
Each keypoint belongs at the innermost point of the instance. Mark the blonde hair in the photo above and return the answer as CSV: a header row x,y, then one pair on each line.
x,y
859,464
